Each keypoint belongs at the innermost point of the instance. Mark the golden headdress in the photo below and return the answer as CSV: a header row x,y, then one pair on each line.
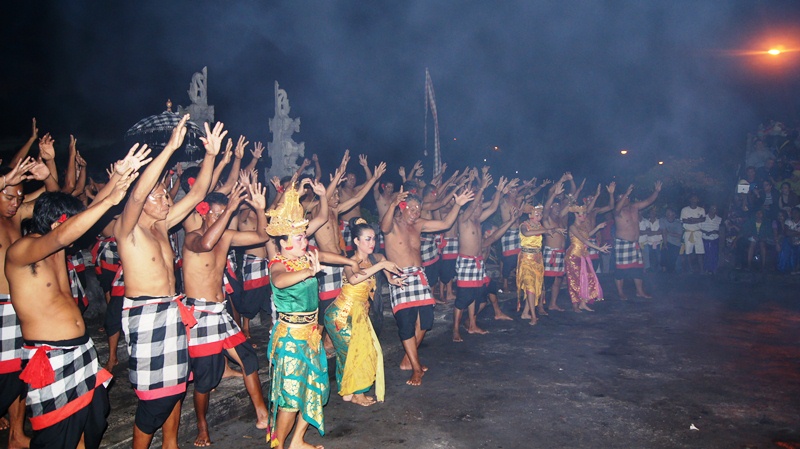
x,y
577,209
528,208
289,217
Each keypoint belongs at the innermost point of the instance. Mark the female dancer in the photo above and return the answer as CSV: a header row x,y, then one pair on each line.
x,y
581,278
359,359
530,266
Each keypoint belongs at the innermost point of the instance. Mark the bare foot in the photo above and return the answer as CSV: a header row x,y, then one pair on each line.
x,y
533,321
623,298
304,445
476,330
503,317
362,400
457,337
263,424
347,397
230,372
416,378
4,424
643,295
202,439
406,366
20,442
541,311
556,308
575,308
526,316
109,365
586,308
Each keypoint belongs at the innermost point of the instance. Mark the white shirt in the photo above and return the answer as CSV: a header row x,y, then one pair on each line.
x,y
647,225
711,224
688,212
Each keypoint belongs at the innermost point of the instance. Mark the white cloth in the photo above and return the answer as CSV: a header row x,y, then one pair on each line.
x,y
711,224
688,212
651,240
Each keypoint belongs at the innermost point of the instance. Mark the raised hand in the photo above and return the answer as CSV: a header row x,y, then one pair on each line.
x,y
486,181
244,177
240,146
40,171
73,143
464,198
399,197
213,139
318,188
79,160
501,185
253,176
227,155
34,129
178,134
46,149
313,261
658,186
345,160
402,172
629,191
485,169
545,182
135,159
258,196
379,170
179,169
511,184
257,150
444,167
121,187
17,174
559,189
304,164
238,193
276,182
362,160
314,158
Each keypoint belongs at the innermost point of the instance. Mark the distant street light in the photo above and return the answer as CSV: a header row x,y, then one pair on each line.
x,y
774,51
660,162
623,152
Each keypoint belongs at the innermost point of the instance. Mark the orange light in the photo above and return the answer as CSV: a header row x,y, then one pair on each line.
x,y
774,51
623,152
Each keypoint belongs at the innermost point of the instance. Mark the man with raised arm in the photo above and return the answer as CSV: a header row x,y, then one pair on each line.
x,y
630,264
412,305
205,257
66,398
153,317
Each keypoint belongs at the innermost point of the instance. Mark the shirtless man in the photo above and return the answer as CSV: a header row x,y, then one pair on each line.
x,y
591,218
12,211
66,384
349,190
471,276
152,309
630,264
413,305
205,257
555,217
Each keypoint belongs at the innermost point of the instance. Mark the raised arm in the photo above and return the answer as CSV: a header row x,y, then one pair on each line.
x,y
47,153
256,152
499,232
387,221
148,179
447,222
70,177
203,243
502,189
362,161
212,143
642,204
26,147
362,192
322,215
238,154
257,199
610,206
621,203
80,165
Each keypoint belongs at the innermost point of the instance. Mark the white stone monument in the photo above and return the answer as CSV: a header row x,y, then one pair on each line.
x,y
199,111
283,150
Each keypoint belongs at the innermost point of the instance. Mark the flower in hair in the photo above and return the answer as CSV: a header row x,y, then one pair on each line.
x,y
191,181
62,218
402,205
360,221
202,208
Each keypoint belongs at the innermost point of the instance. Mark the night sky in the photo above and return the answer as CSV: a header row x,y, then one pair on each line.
x,y
555,85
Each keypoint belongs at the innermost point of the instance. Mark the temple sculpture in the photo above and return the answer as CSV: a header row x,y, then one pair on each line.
x,y
283,150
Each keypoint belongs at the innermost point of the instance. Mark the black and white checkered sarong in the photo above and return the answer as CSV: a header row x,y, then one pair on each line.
x,y
330,282
157,344
75,286
628,254
76,373
10,337
417,292
105,255
553,259
470,272
510,242
450,248
255,272
429,248
215,329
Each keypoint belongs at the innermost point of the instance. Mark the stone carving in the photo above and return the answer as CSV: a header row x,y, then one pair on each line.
x,y
199,110
283,150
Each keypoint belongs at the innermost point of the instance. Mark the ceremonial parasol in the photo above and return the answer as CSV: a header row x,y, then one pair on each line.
x,y
155,131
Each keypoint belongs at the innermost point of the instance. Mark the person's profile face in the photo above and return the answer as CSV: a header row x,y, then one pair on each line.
x,y
11,198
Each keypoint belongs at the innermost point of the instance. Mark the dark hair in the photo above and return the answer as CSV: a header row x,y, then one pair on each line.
x,y
216,198
4,170
190,172
356,230
50,206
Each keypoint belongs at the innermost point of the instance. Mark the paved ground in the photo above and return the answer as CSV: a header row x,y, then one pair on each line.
x,y
721,354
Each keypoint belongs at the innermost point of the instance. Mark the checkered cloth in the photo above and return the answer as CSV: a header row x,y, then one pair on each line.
x,y
417,292
255,272
105,255
118,284
330,282
10,337
628,254
155,331
78,260
75,285
470,271
347,235
449,248
75,374
429,247
553,261
593,253
229,273
510,242
215,330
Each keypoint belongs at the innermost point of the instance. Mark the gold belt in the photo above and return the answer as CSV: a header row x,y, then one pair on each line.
x,y
298,319
531,250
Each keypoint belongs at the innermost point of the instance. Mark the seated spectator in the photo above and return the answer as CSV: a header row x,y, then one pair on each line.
x,y
766,200
769,172
758,232
789,257
787,199
758,157
794,182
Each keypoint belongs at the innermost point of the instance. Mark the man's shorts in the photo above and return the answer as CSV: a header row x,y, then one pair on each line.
x,y
89,423
11,390
693,242
407,320
153,413
468,295
208,370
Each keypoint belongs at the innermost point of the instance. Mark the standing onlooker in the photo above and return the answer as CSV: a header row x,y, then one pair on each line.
x,y
787,199
691,217
671,230
759,233
650,239
710,230
789,258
